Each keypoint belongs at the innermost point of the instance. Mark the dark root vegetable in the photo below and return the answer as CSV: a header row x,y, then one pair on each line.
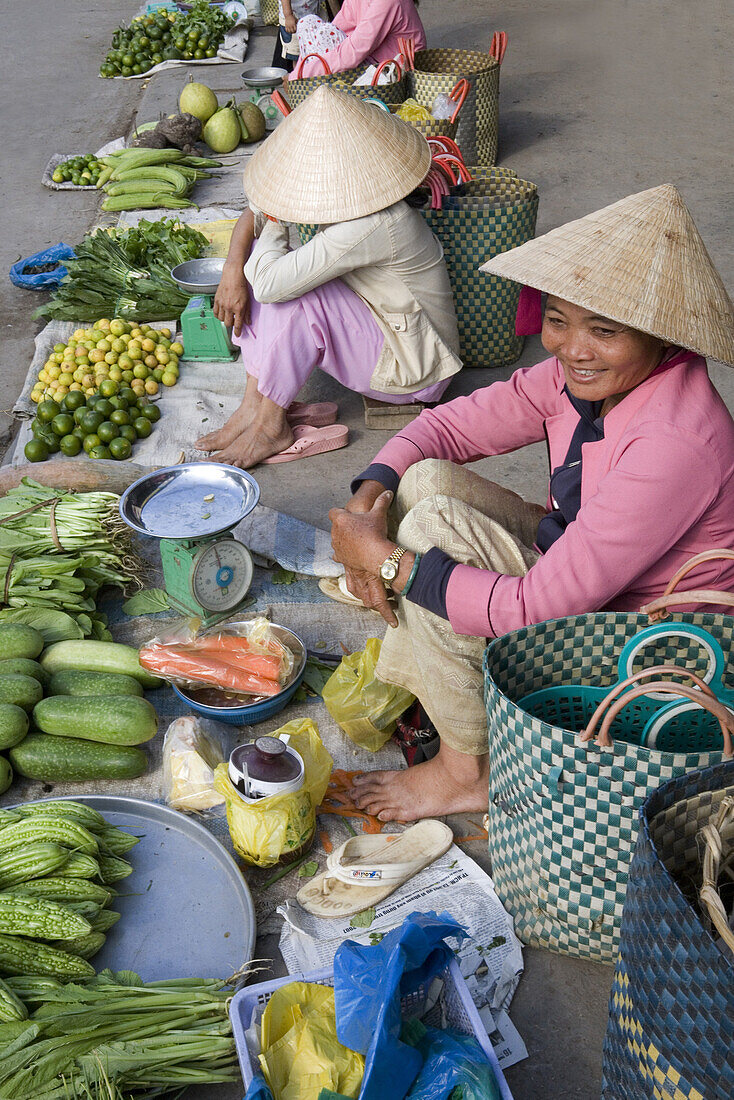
x,y
180,131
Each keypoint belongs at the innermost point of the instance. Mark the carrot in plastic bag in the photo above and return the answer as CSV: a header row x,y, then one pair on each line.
x,y
241,655
178,663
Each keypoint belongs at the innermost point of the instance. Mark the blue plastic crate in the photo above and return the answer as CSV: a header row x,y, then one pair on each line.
x,y
455,1001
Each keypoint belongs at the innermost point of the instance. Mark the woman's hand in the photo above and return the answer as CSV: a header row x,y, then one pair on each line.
x,y
289,23
360,543
232,300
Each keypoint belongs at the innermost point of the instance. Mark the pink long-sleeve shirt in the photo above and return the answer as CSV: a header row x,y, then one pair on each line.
x,y
657,489
373,28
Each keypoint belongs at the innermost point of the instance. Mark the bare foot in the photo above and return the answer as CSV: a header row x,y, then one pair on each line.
x,y
451,783
238,422
253,445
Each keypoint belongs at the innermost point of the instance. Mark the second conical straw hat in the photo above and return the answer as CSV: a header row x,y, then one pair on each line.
x,y
641,262
335,158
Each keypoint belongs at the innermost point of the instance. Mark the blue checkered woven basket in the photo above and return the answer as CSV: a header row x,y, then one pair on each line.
x,y
563,816
672,1004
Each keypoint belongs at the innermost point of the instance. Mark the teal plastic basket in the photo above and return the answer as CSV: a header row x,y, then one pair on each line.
x,y
652,720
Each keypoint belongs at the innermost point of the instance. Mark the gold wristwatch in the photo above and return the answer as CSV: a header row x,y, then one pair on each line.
x,y
389,568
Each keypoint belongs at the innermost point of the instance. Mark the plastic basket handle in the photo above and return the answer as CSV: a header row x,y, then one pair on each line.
x,y
281,103
383,65
499,46
704,699
714,842
444,144
643,674
445,159
458,93
298,72
407,49
657,609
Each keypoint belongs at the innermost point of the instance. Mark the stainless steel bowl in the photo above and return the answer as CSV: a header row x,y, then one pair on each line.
x,y
265,76
167,503
199,276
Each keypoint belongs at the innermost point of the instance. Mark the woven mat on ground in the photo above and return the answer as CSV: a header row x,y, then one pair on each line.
x,y
324,626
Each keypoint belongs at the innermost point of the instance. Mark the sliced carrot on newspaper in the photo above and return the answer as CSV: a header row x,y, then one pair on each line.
x,y
338,801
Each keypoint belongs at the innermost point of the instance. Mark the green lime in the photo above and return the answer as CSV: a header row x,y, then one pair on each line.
x,y
151,412
78,431
70,445
80,413
120,417
143,427
91,420
119,403
109,388
108,431
127,394
127,431
121,448
100,452
62,424
90,442
92,400
36,450
73,401
103,406
47,410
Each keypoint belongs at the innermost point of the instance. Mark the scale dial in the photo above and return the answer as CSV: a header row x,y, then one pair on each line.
x,y
221,575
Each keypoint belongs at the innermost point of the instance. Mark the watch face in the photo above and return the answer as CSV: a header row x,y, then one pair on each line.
x,y
388,571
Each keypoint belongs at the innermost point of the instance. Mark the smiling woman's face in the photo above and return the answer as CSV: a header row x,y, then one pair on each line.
x,y
601,359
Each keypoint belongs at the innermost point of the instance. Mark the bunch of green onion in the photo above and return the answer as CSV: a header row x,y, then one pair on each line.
x,y
115,1037
58,548
126,273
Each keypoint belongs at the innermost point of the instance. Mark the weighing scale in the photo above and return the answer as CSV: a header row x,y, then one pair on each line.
x,y
261,83
192,509
205,338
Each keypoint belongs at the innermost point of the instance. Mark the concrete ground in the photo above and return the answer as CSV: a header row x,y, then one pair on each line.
x,y
597,101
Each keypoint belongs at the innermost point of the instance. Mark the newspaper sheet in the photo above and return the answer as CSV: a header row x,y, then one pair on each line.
x,y
490,958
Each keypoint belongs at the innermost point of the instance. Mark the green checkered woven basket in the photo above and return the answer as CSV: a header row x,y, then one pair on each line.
x,y
496,213
269,12
438,71
563,816
672,1000
299,89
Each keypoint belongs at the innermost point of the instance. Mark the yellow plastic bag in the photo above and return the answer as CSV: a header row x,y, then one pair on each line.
x,y
365,708
265,831
301,1054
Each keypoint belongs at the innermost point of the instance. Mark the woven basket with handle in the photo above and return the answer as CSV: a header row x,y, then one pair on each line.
x,y
498,211
439,70
299,88
269,12
563,813
672,999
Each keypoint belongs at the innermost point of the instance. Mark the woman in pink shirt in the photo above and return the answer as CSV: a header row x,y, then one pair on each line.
x,y
373,30
641,456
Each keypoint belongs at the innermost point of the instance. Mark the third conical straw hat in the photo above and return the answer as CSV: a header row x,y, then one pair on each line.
x,y
641,262
336,158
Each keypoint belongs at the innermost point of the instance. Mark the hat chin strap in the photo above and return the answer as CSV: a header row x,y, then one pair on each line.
x,y
529,318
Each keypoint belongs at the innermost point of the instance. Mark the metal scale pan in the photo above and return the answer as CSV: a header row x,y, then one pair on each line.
x,y
170,504
199,276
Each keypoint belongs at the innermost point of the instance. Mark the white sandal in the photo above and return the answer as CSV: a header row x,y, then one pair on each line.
x,y
366,869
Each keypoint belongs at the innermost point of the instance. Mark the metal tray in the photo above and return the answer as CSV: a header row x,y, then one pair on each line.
x,y
186,909
169,503
264,77
201,276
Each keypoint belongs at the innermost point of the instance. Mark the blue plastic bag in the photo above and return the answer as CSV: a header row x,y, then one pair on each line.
x,y
452,1059
44,279
258,1089
368,984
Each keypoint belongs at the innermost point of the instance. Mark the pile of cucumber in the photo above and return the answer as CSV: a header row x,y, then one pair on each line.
x,y
58,861
72,712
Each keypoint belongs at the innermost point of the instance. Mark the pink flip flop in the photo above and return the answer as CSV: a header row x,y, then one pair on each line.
x,y
318,415
312,441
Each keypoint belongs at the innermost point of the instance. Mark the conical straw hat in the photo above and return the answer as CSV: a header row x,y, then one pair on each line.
x,y
336,158
641,262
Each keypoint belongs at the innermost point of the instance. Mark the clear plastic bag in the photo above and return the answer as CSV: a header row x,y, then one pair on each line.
x,y
190,755
365,708
248,661
443,106
275,828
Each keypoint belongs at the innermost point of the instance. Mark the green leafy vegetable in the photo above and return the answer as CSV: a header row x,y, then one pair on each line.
x,y
308,870
363,919
148,602
56,626
283,576
126,273
316,674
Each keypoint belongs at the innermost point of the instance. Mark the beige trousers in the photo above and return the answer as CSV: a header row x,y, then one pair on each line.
x,y
478,523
